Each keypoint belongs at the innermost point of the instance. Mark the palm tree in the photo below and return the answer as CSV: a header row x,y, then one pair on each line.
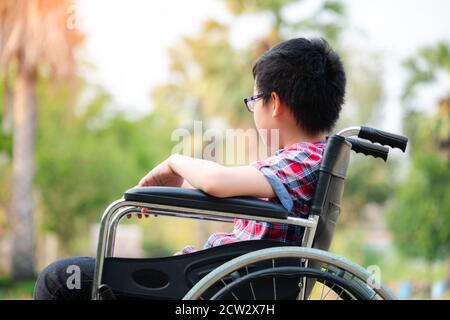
x,y
34,37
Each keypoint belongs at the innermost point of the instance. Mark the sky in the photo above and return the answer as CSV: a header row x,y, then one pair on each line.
x,y
127,40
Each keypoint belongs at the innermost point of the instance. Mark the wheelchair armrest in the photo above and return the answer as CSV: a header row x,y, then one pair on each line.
x,y
197,199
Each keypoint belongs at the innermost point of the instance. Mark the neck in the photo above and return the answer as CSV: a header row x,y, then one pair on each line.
x,y
290,139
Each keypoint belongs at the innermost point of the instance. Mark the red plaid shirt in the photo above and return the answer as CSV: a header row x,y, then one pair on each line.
x,y
292,173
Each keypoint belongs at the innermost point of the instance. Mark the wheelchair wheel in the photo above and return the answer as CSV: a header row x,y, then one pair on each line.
x,y
285,273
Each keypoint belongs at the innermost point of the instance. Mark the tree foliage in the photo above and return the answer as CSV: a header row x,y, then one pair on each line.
x,y
87,157
420,217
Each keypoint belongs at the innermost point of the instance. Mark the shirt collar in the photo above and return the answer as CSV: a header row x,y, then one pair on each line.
x,y
320,143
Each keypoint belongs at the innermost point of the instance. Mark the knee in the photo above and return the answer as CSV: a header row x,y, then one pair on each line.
x,y
52,280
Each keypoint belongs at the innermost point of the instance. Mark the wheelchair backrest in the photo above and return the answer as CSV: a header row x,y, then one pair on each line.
x,y
326,202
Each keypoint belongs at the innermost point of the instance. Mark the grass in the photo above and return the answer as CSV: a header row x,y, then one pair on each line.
x,y
13,290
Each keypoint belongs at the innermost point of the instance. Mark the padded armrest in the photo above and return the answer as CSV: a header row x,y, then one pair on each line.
x,y
196,199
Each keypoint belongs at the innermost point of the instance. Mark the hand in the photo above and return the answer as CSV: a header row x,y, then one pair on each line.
x,y
161,175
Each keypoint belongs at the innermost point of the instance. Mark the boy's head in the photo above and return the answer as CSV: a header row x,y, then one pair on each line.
x,y
301,82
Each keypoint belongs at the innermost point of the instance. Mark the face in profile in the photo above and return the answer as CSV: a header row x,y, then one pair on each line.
x,y
265,123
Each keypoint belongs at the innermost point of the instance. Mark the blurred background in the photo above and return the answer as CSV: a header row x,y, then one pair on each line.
x,y
91,91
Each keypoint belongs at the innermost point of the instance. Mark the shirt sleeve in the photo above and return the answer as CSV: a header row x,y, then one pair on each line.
x,y
292,174
274,169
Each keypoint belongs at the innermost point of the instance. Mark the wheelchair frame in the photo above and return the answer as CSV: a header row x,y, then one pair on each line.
x,y
107,234
111,216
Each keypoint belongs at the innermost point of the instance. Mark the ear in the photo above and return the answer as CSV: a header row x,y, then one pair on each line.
x,y
277,107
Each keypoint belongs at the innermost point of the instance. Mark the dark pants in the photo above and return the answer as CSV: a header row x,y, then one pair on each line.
x,y
66,279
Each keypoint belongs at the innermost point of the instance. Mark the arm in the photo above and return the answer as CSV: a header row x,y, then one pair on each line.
x,y
187,185
210,177
221,181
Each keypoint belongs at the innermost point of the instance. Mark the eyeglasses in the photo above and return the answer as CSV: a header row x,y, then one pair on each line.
x,y
250,102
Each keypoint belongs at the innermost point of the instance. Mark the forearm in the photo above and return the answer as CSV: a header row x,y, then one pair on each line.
x,y
187,185
221,181
195,172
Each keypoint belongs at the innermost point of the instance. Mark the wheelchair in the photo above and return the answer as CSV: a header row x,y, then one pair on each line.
x,y
254,269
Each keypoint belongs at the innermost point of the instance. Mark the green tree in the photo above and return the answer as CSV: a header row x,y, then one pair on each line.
x,y
420,217
27,30
87,156
210,77
366,182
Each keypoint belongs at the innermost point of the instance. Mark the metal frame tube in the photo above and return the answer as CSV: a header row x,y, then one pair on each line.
x,y
101,247
349,132
111,238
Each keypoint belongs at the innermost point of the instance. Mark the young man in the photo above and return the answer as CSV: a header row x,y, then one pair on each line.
x,y
299,91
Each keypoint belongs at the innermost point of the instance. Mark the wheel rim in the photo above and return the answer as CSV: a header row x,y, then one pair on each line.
x,y
358,274
342,289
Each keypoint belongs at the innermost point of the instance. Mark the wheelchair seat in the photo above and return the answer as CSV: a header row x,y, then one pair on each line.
x,y
171,277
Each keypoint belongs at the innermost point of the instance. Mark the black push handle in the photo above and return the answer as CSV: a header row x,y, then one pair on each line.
x,y
383,137
369,149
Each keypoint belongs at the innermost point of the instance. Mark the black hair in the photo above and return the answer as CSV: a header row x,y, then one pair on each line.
x,y
308,76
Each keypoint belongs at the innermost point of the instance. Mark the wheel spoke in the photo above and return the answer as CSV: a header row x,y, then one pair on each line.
x,y
301,281
251,285
337,297
274,284
225,284
329,290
